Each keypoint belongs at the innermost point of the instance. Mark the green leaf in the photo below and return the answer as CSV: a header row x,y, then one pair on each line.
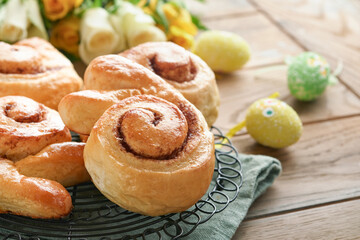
x,y
97,3
161,16
48,24
179,4
70,56
198,23
114,7
3,2
79,12
135,2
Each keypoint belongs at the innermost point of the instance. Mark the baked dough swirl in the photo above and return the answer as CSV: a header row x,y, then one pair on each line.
x,y
80,110
151,156
150,150
26,127
182,69
35,69
36,138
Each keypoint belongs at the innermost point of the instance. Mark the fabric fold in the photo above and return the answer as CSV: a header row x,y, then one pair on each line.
x,y
259,172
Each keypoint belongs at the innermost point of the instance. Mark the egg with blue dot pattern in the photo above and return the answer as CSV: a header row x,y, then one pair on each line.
x,y
273,123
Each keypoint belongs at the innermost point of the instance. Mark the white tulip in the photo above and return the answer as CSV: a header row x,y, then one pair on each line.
x,y
37,28
117,23
13,21
141,33
137,26
21,19
97,35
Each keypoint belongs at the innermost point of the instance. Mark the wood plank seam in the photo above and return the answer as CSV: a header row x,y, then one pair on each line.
x,y
266,14
264,65
332,119
231,15
293,210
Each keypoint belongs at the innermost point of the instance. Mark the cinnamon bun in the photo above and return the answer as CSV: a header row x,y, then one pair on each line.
x,y
26,127
35,69
82,109
182,69
151,156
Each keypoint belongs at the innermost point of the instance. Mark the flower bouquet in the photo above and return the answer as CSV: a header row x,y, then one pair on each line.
x,y
88,28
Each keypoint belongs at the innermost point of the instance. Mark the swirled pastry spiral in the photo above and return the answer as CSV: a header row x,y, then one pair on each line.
x,y
82,109
183,70
26,127
36,138
151,156
33,197
35,69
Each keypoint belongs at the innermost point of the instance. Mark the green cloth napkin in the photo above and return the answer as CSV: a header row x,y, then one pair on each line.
x,y
259,172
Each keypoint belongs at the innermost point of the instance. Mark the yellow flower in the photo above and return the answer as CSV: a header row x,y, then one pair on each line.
x,y
152,4
65,35
141,3
57,9
180,37
182,30
77,3
186,26
148,11
170,12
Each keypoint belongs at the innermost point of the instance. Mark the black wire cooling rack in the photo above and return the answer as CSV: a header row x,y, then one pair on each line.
x,y
95,217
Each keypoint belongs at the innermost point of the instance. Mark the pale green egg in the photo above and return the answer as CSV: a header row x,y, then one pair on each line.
x,y
222,51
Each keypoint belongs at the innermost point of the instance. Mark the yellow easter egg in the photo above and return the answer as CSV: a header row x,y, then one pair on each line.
x,y
222,51
273,123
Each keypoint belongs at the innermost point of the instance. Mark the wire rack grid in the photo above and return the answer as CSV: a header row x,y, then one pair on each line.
x,y
95,217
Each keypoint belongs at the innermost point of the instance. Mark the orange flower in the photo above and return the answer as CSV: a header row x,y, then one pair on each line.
x,y
57,9
65,35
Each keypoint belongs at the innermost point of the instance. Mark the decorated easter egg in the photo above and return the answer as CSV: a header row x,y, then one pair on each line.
x,y
308,76
273,123
222,51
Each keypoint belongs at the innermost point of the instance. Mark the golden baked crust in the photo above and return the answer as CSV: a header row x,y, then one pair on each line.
x,y
151,156
183,70
33,197
61,162
81,110
35,69
146,169
26,127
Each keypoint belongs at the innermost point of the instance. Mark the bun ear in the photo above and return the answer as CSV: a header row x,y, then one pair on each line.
x,y
32,197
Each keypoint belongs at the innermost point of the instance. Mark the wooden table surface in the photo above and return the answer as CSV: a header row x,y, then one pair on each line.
x,y
317,195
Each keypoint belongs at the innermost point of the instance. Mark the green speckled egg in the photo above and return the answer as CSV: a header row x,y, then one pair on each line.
x,y
308,76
